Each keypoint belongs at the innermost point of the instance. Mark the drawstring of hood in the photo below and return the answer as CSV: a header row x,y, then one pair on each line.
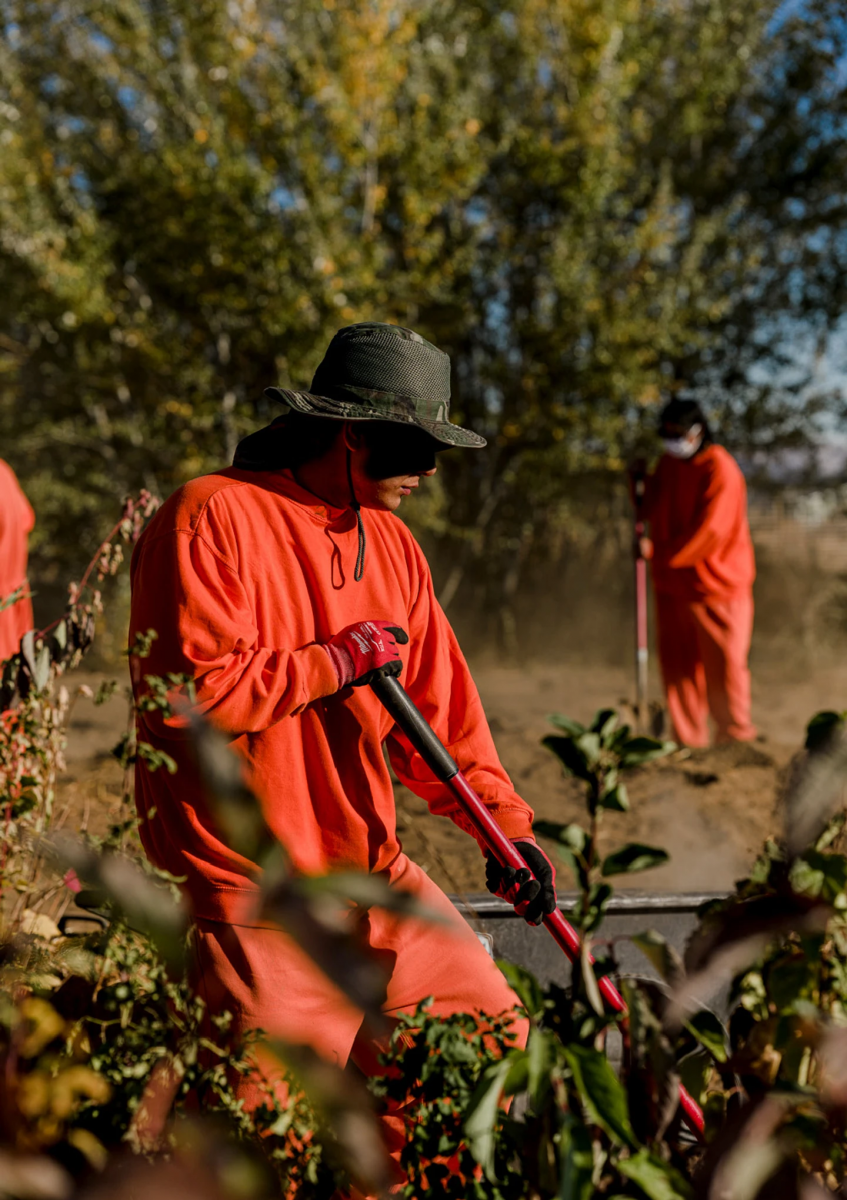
x,y
258,452
359,569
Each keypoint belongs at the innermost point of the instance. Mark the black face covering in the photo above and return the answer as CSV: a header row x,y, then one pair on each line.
x,y
392,450
399,450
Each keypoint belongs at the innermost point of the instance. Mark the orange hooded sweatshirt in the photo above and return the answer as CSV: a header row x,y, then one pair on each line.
x,y
16,522
244,575
697,509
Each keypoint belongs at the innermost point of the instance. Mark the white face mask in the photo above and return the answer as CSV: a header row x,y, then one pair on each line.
x,y
684,447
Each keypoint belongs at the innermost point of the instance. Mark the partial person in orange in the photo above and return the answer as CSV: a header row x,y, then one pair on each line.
x,y
280,585
703,570
16,522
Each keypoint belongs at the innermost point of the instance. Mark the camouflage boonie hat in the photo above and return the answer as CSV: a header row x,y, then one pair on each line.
x,y
374,372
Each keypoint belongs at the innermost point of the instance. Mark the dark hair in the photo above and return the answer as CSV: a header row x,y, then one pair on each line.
x,y
685,414
291,441
307,438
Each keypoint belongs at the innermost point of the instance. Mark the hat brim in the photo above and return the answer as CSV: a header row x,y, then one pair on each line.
x,y
397,410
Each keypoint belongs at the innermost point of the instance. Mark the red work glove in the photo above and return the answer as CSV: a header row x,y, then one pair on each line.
x,y
536,897
364,650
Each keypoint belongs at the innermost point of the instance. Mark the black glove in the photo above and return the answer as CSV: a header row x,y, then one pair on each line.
x,y
533,898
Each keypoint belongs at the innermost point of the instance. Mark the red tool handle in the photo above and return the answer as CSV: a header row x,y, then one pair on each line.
x,y
411,721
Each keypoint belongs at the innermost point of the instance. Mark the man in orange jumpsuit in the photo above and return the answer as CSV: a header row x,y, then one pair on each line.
x,y
16,522
280,584
703,572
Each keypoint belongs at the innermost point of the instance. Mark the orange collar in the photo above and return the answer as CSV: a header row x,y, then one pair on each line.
x,y
284,484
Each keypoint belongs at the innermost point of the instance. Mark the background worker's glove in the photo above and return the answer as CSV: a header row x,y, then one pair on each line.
x,y
533,898
365,650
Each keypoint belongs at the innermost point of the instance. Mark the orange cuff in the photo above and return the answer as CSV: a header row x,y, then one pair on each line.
x,y
321,675
515,822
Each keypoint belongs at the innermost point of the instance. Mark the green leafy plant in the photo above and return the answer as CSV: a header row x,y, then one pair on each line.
x,y
35,706
569,1130
434,1068
598,755
115,1046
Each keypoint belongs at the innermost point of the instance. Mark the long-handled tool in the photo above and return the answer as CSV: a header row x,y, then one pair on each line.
x,y
409,718
641,651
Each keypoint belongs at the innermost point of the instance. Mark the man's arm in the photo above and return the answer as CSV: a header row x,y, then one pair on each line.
x,y
186,591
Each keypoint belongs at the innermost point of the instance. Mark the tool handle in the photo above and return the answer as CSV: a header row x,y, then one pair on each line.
x,y
415,726
410,719
412,722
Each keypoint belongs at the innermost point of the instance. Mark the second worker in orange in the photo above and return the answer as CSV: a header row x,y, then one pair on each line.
x,y
703,572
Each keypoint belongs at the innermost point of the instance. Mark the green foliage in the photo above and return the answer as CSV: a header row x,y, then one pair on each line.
x,y
710,1033
14,597
574,1132
601,1092
571,1136
781,939
134,1047
654,1177
597,755
453,1072
633,857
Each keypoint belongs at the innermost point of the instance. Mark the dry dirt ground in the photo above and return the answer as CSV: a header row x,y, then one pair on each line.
x,y
710,809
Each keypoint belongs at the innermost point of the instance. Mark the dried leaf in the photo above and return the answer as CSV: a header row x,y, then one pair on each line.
x,y
324,926
44,1024
33,1177
146,905
756,1153
39,925
235,806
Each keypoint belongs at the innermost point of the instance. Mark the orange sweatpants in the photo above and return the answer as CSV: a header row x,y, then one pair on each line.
x,y
267,982
703,648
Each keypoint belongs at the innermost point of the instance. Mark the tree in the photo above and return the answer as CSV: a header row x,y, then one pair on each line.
x,y
588,205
